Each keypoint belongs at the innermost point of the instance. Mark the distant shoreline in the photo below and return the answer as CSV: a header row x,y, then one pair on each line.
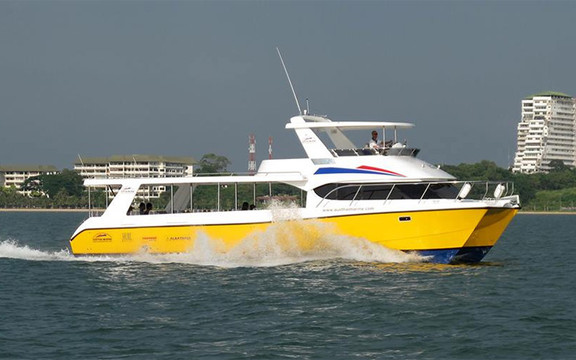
x,y
547,212
46,210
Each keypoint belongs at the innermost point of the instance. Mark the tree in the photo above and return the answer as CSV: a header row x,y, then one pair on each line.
x,y
484,170
32,184
68,180
557,166
9,197
212,163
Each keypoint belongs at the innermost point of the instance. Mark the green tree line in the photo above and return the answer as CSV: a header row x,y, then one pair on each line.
x,y
553,191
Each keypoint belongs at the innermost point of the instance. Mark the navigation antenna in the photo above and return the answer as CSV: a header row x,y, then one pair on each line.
x,y
290,82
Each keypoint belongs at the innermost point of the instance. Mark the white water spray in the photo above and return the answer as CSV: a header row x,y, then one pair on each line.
x,y
11,249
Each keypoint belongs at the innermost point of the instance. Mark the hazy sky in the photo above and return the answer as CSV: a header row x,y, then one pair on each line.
x,y
185,78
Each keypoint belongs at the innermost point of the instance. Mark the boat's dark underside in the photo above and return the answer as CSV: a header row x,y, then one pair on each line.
x,y
466,255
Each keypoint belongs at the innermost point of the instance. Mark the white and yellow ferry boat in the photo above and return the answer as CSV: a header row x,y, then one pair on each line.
x,y
386,196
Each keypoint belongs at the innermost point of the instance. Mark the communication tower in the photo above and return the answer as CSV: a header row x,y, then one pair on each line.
x,y
252,154
270,147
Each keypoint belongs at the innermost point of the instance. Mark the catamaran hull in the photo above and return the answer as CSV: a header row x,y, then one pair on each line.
x,y
443,236
479,243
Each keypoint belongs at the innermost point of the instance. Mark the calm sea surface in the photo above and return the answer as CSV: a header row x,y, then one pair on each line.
x,y
334,302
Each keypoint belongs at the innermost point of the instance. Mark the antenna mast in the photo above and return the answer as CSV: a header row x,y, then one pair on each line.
x,y
252,154
290,82
270,147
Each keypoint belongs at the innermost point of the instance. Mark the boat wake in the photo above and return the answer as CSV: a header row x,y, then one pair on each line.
x,y
282,243
12,249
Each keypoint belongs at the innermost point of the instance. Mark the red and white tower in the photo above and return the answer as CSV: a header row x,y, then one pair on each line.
x,y
252,154
270,147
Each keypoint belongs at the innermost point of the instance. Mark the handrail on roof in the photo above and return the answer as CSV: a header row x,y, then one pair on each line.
x,y
349,125
283,177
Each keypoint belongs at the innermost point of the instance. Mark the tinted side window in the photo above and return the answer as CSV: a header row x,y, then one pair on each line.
x,y
441,191
407,191
374,192
347,192
384,191
323,190
342,192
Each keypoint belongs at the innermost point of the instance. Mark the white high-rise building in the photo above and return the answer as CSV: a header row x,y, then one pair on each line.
x,y
546,132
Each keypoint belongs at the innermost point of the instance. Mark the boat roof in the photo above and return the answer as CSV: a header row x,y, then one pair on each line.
x,y
288,177
334,167
349,125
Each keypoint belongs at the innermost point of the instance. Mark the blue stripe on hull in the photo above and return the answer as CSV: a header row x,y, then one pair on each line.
x,y
468,255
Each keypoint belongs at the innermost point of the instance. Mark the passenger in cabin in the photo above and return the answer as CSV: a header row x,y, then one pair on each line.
x,y
244,205
252,207
148,208
142,208
130,209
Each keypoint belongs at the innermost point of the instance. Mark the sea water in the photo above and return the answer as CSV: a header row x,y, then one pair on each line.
x,y
340,299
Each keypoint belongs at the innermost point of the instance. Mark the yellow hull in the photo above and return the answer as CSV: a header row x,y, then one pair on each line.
x,y
158,239
425,230
410,231
490,228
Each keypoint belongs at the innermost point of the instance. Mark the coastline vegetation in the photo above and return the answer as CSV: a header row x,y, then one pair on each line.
x,y
553,191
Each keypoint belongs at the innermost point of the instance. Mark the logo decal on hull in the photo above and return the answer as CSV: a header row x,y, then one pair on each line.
x,y
173,238
102,237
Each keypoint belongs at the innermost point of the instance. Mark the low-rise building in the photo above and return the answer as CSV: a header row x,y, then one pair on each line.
x,y
15,175
127,166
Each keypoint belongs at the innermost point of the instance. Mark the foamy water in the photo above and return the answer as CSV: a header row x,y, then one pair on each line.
x,y
12,249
